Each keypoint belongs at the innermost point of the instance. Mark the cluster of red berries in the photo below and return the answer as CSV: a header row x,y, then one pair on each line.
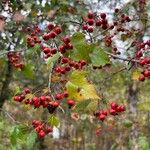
x,y
45,101
68,64
60,96
15,59
52,106
41,128
35,101
144,74
54,31
142,47
98,21
114,110
33,38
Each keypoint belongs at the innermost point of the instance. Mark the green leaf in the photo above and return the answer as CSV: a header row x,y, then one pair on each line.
x,y
53,120
17,90
127,123
53,59
78,38
18,134
144,144
82,49
99,57
82,105
28,70
31,138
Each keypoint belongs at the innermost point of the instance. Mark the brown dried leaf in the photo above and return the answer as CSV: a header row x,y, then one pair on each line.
x,y
51,13
18,17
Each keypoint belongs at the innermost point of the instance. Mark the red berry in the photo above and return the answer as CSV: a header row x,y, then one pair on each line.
x,y
46,37
52,35
102,117
90,21
53,50
50,26
42,133
146,73
84,27
82,62
114,105
103,15
141,77
90,29
112,112
65,94
57,30
59,96
49,129
66,39
71,103
64,60
17,98
104,113
90,15
98,23
142,62
122,107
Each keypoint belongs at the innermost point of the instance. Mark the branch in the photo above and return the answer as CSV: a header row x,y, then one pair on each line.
x,y
124,59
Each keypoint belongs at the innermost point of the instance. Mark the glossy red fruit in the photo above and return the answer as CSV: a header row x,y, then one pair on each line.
x,y
82,62
46,37
67,68
141,77
41,133
122,107
90,29
64,60
71,103
50,26
52,35
112,112
66,40
98,23
49,129
146,73
103,15
27,90
57,30
114,105
65,94
17,98
90,22
102,117
53,50
84,27
59,96
142,62
104,113
90,15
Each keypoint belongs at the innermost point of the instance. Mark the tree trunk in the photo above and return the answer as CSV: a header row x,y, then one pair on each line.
x,y
132,102
5,85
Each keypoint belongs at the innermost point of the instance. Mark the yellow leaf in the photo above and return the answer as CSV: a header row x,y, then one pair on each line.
x,y
136,74
79,88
